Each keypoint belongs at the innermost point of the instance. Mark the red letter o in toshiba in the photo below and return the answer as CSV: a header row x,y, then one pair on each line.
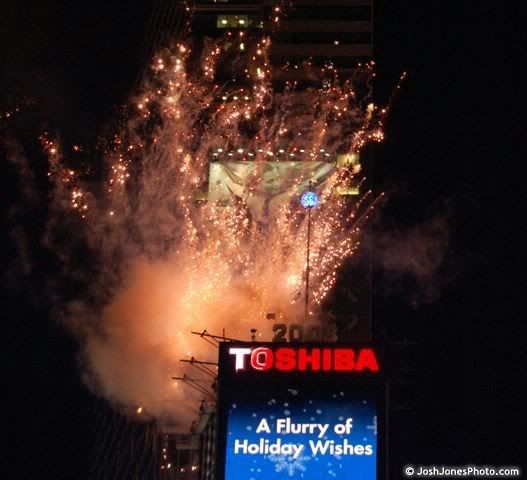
x,y
262,358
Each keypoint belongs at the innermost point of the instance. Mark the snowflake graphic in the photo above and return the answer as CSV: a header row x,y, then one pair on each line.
x,y
288,464
373,426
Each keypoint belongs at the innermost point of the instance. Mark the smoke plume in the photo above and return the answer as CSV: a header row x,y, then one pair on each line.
x,y
412,259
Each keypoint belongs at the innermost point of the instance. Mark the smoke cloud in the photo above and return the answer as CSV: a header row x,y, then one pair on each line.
x,y
412,259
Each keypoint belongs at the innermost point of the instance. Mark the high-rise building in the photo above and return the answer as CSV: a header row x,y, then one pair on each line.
x,y
333,32
311,35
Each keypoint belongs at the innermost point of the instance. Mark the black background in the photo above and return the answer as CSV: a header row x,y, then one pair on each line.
x,y
446,149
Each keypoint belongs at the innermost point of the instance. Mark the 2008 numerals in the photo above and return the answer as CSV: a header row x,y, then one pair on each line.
x,y
296,333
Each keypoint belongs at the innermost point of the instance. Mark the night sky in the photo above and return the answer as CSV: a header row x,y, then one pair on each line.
x,y
444,157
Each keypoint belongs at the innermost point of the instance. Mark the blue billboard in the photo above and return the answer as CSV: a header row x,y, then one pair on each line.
x,y
299,426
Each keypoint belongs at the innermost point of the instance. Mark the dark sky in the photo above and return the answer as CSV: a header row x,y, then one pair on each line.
x,y
443,156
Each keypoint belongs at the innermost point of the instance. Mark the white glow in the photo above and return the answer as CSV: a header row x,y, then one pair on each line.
x,y
240,354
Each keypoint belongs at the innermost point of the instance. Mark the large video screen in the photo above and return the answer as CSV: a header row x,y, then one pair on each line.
x,y
264,186
308,427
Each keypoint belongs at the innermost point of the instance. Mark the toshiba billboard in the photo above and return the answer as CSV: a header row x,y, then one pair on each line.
x,y
315,359
299,411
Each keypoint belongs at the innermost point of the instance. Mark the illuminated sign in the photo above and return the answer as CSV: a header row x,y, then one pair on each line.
x,y
264,186
299,412
287,359
304,333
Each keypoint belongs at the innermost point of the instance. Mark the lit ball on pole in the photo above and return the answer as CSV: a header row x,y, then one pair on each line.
x,y
309,199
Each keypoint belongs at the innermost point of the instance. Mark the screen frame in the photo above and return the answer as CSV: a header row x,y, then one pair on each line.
x,y
228,378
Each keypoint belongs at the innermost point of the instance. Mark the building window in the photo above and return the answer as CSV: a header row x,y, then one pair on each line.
x,y
233,21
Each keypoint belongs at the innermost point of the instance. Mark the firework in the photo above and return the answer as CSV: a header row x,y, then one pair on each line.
x,y
168,261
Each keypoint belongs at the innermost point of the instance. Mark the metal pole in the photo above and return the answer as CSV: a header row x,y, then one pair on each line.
x,y
307,263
